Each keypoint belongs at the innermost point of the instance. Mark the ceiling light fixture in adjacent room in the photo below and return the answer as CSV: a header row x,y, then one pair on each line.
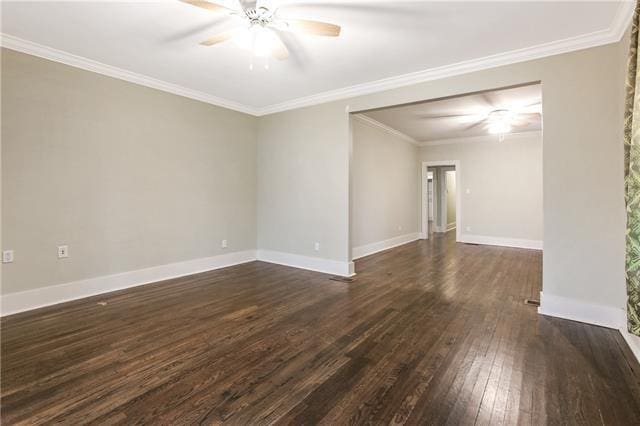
x,y
500,122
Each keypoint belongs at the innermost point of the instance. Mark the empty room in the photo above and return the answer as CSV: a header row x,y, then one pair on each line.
x,y
320,212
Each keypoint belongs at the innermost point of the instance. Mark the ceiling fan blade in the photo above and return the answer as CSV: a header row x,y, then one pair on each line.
x,y
203,4
247,4
430,116
474,125
314,27
530,114
535,107
280,51
487,99
218,38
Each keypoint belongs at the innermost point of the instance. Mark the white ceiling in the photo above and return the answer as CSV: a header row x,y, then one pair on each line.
x,y
463,116
158,41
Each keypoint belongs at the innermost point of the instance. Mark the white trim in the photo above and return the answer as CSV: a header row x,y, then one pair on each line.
x,y
632,341
451,226
598,38
501,241
46,52
482,138
368,249
589,313
384,127
622,19
317,264
31,299
612,34
424,220
578,310
439,229
13,303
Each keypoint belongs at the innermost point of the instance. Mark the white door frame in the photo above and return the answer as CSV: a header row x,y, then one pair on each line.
x,y
424,218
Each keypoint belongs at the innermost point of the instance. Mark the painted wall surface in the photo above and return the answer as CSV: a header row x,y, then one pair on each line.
x,y
439,197
584,220
128,177
450,179
122,200
504,181
386,178
303,182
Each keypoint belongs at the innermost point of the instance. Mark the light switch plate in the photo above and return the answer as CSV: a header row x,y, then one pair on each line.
x,y
63,252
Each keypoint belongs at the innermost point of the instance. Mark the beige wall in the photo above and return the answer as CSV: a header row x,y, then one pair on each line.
x,y
584,220
504,181
385,174
303,178
450,180
100,164
129,177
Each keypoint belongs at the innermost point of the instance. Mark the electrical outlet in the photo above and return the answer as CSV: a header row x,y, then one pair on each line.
x,y
468,191
468,228
63,252
224,244
316,246
7,256
399,227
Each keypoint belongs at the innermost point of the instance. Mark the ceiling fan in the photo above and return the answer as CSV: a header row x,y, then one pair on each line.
x,y
261,23
499,121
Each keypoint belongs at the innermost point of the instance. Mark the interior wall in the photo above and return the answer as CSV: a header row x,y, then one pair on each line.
x,y
439,197
584,219
385,173
303,182
128,177
303,165
500,183
450,179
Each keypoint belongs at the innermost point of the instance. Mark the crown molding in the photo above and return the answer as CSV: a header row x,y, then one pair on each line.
x,y
46,52
481,138
384,127
612,34
622,19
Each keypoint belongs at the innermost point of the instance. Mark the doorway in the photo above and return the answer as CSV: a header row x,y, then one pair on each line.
x,y
441,207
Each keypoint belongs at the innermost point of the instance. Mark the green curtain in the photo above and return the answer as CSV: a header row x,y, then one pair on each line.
x,y
632,180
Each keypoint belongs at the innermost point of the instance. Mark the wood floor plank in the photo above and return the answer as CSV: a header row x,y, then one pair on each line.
x,y
431,332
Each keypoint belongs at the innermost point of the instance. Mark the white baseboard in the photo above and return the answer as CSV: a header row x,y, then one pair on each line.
x,y
372,248
500,241
327,266
31,299
578,310
589,313
632,341
13,303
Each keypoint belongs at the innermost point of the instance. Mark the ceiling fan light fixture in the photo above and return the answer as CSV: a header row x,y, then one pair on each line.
x,y
260,36
500,122
260,41
499,127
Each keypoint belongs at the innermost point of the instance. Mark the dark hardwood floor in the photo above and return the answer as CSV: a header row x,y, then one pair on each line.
x,y
432,332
